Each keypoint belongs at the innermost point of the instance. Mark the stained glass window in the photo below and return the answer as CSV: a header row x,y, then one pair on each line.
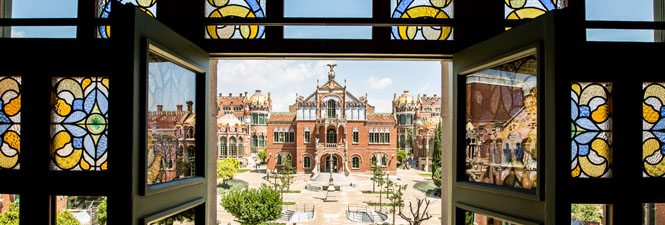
x,y
502,121
104,10
437,9
653,129
524,9
171,135
79,123
591,129
235,8
10,122
186,217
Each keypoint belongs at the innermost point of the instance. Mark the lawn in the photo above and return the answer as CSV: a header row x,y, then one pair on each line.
x,y
291,191
375,192
377,204
428,175
242,170
429,188
288,203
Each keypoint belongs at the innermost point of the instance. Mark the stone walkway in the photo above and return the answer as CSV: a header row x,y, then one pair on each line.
x,y
335,212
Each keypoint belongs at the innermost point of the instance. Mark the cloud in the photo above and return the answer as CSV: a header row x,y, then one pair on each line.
x,y
379,83
18,34
381,105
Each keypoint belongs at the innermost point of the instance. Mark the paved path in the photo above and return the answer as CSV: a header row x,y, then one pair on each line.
x,y
330,213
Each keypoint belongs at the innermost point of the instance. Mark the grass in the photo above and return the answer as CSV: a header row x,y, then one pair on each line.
x,y
377,204
288,203
375,192
242,170
429,188
429,175
291,191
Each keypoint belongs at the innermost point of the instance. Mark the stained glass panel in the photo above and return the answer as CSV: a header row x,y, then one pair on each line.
x,y
235,8
171,129
104,10
186,217
653,129
10,122
437,9
79,123
84,209
501,128
591,129
525,9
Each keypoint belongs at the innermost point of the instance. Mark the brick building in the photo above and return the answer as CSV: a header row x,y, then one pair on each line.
x,y
419,117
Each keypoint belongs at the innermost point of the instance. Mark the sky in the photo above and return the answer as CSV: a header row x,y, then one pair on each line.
x,y
284,78
638,10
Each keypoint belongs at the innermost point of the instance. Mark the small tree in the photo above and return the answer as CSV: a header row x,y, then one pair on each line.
x,y
233,162
11,217
263,155
253,206
396,197
225,170
418,216
401,156
436,157
377,174
101,213
409,139
587,212
286,175
66,218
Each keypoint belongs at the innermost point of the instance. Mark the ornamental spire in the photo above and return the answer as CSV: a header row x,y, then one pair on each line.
x,y
331,73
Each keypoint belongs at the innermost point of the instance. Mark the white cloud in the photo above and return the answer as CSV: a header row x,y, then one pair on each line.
x,y
381,105
18,34
379,83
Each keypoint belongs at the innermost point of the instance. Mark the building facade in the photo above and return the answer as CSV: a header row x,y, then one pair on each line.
x,y
417,117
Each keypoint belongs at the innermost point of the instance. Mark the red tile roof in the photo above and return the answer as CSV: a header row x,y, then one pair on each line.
x,y
282,116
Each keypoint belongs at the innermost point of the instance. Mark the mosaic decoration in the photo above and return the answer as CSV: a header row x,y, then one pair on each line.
x,y
79,123
10,122
104,10
437,9
171,125
653,129
525,9
591,129
235,8
502,122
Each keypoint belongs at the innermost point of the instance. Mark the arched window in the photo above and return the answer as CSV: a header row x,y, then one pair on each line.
x,y
374,160
423,149
279,159
306,162
240,146
383,160
402,120
262,142
288,159
356,163
190,133
331,108
254,140
232,146
222,146
331,136
401,142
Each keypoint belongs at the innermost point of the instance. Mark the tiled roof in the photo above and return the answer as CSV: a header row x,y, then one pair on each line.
x,y
282,116
383,117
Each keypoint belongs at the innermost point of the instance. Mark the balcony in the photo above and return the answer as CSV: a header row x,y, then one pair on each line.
x,y
331,121
330,146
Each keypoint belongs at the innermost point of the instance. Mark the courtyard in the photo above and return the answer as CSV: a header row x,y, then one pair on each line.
x,y
336,212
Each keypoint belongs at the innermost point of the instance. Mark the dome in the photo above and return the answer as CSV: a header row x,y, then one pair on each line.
x,y
406,98
258,98
228,119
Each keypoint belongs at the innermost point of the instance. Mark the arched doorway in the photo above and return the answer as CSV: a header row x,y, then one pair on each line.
x,y
327,160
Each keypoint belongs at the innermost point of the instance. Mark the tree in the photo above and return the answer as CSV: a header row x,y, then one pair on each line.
x,y
101,213
377,174
11,217
417,216
233,162
263,155
436,157
401,156
66,218
286,175
253,206
587,212
396,197
409,139
225,170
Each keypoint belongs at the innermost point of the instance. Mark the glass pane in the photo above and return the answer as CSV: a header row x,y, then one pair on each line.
x,y
79,123
235,8
328,8
10,122
438,9
186,217
171,129
653,129
477,218
632,35
44,9
104,10
328,32
595,214
41,31
525,9
81,209
638,10
501,132
591,129
9,208
653,213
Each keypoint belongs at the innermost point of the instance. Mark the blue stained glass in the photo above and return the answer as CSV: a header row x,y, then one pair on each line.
x,y
591,130
407,9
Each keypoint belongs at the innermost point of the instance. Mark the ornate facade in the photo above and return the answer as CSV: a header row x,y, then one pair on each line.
x,y
419,116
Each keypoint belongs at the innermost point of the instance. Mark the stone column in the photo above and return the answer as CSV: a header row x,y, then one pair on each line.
x,y
446,140
212,160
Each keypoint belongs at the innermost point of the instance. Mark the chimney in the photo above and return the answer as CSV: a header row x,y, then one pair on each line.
x,y
240,94
394,95
424,95
189,106
220,95
179,107
230,94
435,95
245,94
159,108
